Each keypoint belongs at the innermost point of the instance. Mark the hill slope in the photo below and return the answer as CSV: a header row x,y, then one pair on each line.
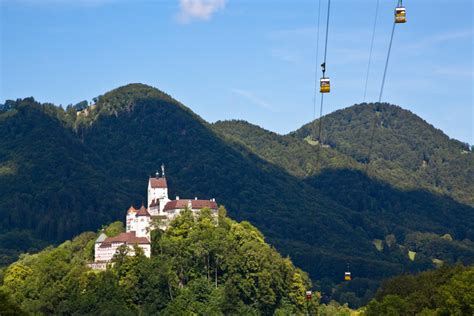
x,y
407,151
197,268
78,173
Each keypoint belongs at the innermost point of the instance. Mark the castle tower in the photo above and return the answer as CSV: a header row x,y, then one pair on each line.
x,y
143,220
131,223
157,192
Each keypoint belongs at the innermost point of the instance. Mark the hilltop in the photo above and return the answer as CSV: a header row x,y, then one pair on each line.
x,y
196,267
407,151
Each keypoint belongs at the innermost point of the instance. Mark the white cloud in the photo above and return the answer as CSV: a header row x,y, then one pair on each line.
x,y
199,9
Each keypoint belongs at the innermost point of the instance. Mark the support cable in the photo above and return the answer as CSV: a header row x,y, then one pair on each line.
x,y
371,48
317,63
322,96
372,136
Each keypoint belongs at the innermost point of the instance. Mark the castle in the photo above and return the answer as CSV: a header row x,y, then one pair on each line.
x,y
140,222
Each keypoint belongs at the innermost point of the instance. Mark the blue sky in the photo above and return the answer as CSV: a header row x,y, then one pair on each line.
x,y
243,59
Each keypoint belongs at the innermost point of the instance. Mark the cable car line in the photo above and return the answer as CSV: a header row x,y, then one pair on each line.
x,y
400,17
327,31
316,64
371,48
324,85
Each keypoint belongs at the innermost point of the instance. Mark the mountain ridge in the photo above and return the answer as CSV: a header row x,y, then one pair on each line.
x,y
119,145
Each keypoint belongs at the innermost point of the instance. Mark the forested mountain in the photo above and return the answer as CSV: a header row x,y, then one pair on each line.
x,y
298,157
65,172
407,151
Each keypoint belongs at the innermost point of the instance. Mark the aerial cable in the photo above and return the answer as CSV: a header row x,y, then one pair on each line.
x,y
386,62
323,66
371,48
374,124
316,65
327,31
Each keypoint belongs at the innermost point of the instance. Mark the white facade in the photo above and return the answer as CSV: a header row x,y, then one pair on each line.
x,y
139,222
142,228
105,253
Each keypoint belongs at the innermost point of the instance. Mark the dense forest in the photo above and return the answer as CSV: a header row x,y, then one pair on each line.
x,y
65,171
203,265
447,291
406,151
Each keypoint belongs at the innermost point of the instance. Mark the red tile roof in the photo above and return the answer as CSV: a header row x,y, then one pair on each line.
x,y
143,212
126,238
131,210
195,204
158,183
198,204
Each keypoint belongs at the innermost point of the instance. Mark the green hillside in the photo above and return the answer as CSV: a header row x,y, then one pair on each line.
x,y
63,173
447,291
407,151
197,267
298,157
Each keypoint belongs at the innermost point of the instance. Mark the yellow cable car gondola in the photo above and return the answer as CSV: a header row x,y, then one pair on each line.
x,y
324,82
325,85
400,14
347,276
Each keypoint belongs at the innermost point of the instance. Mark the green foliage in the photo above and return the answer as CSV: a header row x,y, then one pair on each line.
x,y
457,296
447,291
114,229
391,305
390,210
296,156
62,173
7,306
407,151
203,268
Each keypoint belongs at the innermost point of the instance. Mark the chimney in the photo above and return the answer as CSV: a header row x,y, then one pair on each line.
x,y
177,197
195,198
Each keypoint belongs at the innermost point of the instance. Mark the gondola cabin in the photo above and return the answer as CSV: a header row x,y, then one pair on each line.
x,y
400,15
309,295
325,85
347,276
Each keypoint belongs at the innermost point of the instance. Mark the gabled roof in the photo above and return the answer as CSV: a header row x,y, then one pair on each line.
x,y
126,238
158,183
131,210
143,212
195,204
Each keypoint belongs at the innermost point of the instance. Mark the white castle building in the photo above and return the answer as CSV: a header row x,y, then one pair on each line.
x,y
139,222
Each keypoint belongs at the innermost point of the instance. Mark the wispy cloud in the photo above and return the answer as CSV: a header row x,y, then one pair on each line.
x,y
254,99
198,9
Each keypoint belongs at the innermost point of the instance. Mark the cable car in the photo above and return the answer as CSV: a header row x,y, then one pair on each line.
x,y
325,85
309,295
400,14
347,276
